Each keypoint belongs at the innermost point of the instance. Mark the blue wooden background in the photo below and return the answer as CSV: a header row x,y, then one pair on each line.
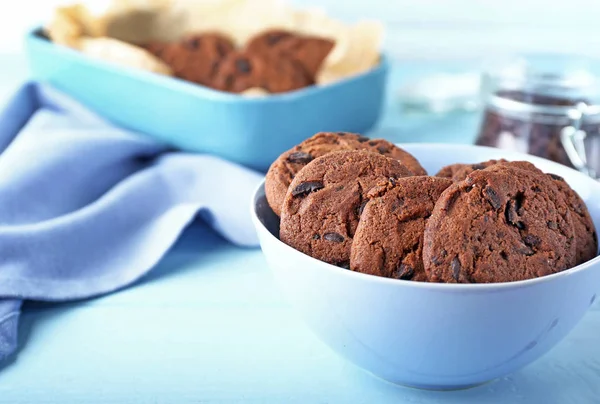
x,y
210,325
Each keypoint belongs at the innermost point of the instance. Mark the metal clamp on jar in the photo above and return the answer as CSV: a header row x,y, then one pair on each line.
x,y
548,106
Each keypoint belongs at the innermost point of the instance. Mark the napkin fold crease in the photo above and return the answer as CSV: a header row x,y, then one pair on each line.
x,y
87,208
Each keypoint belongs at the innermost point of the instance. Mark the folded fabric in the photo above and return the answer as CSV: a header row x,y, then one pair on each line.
x,y
87,208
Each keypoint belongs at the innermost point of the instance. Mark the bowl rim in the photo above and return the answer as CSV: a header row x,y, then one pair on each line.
x,y
174,83
449,287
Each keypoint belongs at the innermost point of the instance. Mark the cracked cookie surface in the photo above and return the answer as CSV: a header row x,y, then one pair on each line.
x,y
389,238
282,171
585,231
504,223
308,51
459,171
322,207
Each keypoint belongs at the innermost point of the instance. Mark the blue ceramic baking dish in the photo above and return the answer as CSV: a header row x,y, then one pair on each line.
x,y
249,131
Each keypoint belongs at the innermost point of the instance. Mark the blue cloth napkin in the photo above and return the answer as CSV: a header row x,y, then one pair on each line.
x,y
87,208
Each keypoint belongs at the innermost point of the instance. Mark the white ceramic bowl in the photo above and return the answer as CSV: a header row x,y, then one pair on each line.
x,y
435,336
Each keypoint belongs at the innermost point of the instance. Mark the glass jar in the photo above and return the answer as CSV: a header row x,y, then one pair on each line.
x,y
545,105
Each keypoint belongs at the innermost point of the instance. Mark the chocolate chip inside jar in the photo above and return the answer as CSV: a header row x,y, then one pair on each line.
x,y
531,122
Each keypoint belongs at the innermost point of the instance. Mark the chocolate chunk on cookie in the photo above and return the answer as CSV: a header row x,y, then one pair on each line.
x,y
389,237
500,224
321,210
585,232
195,58
459,171
283,170
267,42
449,170
240,71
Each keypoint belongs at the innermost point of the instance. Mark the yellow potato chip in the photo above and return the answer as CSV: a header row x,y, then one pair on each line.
x,y
124,54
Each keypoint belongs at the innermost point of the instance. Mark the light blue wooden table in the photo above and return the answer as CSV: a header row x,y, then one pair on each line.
x,y
209,325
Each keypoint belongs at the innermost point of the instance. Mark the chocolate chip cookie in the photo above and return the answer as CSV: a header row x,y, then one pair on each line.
x,y
240,71
321,210
585,231
449,170
389,237
308,51
195,58
282,171
388,149
209,43
459,171
267,42
500,224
